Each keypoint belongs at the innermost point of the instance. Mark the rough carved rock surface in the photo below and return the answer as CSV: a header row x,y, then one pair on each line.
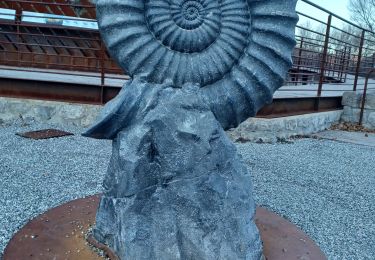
x,y
237,51
176,187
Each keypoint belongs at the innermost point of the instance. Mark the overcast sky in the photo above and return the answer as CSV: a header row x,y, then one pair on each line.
x,y
338,7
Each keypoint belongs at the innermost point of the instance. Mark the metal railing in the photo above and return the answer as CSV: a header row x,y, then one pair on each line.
x,y
364,96
58,49
331,56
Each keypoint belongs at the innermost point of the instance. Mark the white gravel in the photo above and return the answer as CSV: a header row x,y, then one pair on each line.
x,y
39,174
325,187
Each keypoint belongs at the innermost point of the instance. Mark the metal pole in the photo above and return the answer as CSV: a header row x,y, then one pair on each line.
x,y
323,61
359,60
17,19
342,63
347,69
18,44
364,97
102,72
299,60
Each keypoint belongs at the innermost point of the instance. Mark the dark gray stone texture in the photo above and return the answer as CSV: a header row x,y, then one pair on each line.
x,y
237,51
352,102
176,187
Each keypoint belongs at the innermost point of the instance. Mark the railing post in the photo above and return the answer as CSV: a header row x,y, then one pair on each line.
x,y
364,96
347,69
357,70
299,60
18,44
323,61
102,71
342,63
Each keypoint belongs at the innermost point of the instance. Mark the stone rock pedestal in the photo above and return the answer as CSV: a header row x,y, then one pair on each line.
x,y
176,187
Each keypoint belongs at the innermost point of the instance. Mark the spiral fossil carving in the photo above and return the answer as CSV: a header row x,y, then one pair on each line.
x,y
176,187
238,51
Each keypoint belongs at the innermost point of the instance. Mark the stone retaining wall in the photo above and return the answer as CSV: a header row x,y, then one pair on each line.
x,y
254,129
12,109
272,130
352,102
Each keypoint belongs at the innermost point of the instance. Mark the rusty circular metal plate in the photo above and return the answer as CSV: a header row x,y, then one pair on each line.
x,y
60,234
44,134
283,240
57,234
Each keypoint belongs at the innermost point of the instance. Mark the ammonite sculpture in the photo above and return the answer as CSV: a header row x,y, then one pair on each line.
x,y
176,187
237,51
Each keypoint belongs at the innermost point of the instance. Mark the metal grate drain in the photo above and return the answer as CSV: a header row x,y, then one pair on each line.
x,y
44,134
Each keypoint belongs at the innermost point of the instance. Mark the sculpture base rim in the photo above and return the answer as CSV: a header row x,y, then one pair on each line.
x,y
61,232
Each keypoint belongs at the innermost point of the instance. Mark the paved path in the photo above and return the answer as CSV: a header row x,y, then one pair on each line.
x,y
328,90
367,139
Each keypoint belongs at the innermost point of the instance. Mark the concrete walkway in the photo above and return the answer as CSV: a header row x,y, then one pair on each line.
x,y
367,139
88,78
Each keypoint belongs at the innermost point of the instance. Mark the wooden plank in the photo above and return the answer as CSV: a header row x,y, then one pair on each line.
x,y
25,56
54,9
64,58
40,8
8,52
89,13
66,10
49,50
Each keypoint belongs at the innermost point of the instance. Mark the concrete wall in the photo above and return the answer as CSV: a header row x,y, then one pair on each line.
x,y
352,102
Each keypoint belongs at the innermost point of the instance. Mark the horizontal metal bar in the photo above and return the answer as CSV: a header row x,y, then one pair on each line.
x,y
49,3
90,94
56,91
300,105
336,16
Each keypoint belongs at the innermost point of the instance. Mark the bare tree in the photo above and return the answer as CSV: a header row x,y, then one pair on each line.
x,y
305,29
362,12
346,37
313,36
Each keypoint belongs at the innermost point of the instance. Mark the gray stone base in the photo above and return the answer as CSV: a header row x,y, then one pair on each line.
x,y
354,99
351,115
352,102
175,188
272,130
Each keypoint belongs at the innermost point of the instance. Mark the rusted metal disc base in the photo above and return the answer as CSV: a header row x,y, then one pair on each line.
x,y
60,234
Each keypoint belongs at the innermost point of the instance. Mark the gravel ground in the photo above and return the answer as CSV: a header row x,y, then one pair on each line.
x,y
38,175
325,187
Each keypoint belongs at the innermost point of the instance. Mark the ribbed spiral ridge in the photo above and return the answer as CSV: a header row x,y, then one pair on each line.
x,y
238,51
